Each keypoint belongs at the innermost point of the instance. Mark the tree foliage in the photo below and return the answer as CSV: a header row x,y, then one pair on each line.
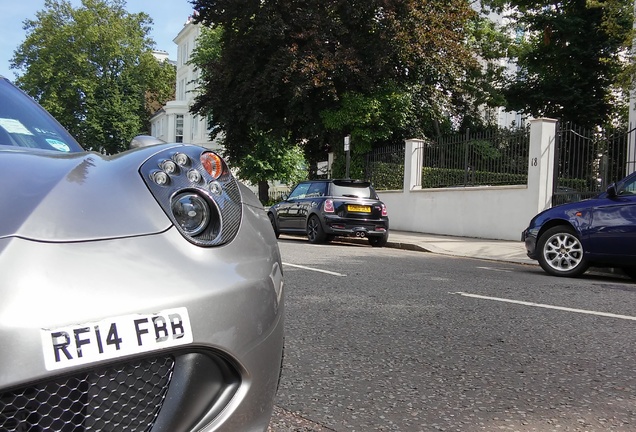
x,y
570,57
270,157
92,67
312,72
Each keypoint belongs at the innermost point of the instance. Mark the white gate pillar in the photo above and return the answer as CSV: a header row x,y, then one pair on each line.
x,y
413,160
541,163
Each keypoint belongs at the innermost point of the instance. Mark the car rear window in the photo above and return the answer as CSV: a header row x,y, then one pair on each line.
x,y
353,190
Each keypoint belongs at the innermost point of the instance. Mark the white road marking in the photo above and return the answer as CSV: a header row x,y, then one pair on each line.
x,y
545,306
495,269
315,269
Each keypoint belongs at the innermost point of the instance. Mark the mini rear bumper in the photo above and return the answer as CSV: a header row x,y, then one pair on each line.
x,y
335,225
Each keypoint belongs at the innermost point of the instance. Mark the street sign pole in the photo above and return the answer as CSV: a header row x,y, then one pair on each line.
x,y
347,141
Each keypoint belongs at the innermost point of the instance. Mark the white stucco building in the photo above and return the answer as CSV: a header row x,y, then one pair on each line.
x,y
174,122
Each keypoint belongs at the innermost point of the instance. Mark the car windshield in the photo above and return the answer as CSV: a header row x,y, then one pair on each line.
x,y
629,187
23,123
353,190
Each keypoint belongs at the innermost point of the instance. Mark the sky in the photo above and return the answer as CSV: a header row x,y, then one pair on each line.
x,y
168,18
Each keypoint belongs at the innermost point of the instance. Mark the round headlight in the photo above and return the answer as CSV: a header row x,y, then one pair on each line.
x,y
191,212
169,166
194,176
161,178
181,159
215,187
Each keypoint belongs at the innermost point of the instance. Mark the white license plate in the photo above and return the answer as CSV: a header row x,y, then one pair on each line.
x,y
115,337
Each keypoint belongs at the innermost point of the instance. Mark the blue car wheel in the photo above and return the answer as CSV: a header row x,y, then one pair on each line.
x,y
561,252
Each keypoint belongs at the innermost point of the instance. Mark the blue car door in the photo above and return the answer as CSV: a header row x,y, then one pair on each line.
x,y
613,229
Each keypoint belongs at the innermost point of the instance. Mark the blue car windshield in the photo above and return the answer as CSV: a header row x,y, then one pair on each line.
x,y
24,123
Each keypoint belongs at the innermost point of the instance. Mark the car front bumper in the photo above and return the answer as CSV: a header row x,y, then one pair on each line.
x,y
225,379
529,238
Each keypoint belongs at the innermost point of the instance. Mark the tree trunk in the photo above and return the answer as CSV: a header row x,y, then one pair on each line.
x,y
263,191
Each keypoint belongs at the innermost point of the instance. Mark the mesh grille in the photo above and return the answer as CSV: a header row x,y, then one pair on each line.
x,y
120,397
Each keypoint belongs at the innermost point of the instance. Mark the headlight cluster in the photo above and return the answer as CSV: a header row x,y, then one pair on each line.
x,y
197,191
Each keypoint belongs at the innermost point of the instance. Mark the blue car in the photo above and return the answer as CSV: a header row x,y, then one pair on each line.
x,y
600,232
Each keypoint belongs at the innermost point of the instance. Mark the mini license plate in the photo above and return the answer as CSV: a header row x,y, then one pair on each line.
x,y
115,337
359,208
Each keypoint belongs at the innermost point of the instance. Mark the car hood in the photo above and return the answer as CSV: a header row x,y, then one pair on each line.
x,y
566,211
56,197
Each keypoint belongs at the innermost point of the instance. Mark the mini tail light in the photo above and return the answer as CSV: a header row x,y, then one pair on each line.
x,y
328,208
384,212
213,164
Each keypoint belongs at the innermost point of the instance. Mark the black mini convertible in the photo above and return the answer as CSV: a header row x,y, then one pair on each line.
x,y
324,209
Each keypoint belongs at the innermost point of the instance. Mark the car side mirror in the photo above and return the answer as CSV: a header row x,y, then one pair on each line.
x,y
611,191
285,197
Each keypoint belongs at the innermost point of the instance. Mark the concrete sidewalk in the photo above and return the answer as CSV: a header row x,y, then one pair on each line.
x,y
495,250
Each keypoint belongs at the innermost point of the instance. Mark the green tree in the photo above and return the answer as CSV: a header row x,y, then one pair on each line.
x,y
270,157
289,67
569,57
92,67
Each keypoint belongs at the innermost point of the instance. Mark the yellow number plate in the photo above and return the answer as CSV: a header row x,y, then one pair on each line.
x,y
359,209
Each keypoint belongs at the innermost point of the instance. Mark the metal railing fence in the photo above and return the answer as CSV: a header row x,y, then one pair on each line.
x,y
492,157
588,160
385,167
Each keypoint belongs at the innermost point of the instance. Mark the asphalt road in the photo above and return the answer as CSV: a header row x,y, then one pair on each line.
x,y
393,340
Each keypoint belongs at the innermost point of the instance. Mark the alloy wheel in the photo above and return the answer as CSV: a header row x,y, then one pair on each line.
x,y
563,252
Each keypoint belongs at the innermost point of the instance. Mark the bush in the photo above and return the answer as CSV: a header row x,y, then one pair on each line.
x,y
444,177
386,176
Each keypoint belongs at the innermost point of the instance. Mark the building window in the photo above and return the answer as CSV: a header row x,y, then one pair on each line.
x,y
195,127
181,89
184,53
178,129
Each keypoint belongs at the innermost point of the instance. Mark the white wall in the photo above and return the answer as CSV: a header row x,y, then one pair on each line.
x,y
490,212
496,212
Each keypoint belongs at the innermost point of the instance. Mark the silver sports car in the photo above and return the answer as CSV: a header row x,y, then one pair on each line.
x,y
141,291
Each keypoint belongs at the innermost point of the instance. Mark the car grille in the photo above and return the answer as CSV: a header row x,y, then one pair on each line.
x,y
119,397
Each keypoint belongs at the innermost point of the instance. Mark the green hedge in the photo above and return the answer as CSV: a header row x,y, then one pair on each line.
x,y
577,184
386,176
390,176
444,177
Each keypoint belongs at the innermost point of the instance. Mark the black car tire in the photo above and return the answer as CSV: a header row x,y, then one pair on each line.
x,y
561,252
315,233
630,271
380,241
272,219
